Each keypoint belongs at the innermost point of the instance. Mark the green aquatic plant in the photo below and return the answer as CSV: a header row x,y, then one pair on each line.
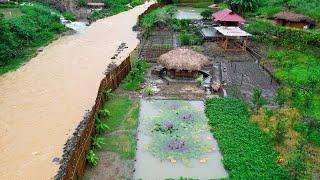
x,y
177,131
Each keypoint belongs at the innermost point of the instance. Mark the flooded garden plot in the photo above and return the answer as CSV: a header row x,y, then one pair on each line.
x,y
174,141
185,12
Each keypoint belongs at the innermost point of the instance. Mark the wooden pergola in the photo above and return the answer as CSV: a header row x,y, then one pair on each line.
x,y
232,38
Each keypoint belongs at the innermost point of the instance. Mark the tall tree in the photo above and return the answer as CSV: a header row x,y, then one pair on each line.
x,y
242,6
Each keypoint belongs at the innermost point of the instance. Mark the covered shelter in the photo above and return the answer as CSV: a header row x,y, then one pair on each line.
x,y
214,6
183,63
227,17
290,19
232,38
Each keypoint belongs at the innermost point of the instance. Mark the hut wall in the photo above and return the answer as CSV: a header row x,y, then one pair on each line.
x,y
299,25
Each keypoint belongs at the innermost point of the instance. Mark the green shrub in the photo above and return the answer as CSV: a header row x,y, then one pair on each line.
x,y
69,16
296,163
98,142
82,3
199,79
92,158
108,93
104,113
269,10
135,77
21,35
149,90
314,136
108,12
136,3
163,14
280,131
258,100
201,4
113,7
246,151
189,39
207,14
101,126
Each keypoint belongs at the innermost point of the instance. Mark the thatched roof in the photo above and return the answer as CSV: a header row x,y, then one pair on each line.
x,y
183,59
293,17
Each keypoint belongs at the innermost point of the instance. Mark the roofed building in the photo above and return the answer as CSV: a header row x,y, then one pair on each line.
x,y
183,63
227,17
232,38
290,19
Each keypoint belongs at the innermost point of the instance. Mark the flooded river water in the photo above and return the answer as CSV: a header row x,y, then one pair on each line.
x,y
42,102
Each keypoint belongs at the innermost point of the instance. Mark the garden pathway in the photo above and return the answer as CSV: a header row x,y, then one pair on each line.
x,y
42,102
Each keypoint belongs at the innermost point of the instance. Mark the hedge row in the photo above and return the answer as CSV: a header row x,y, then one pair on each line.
x,y
266,32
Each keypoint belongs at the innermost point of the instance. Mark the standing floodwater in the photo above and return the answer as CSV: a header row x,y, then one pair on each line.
x,y
42,102
175,141
185,12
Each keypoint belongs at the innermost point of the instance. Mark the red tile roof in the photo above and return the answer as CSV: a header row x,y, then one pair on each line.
x,y
227,15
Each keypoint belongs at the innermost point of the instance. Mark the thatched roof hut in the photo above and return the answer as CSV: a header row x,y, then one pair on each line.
x,y
291,19
183,59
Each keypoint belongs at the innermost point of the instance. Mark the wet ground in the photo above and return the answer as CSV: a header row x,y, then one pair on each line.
x,y
43,101
241,73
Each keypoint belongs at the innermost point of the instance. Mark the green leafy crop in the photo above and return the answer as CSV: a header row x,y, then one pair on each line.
x,y
246,151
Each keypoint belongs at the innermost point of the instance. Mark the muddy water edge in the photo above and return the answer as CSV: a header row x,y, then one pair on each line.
x,y
43,101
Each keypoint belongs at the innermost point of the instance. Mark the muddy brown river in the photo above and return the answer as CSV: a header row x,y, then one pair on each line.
x,y
42,102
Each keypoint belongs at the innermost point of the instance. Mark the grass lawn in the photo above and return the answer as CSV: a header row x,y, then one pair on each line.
x,y
123,121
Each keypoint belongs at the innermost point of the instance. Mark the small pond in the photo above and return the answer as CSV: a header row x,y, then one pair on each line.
x,y
185,12
10,12
174,141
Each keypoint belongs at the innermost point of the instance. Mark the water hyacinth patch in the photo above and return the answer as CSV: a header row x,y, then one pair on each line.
x,y
184,148
177,131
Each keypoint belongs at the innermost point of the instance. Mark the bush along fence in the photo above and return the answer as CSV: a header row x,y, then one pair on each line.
x,y
73,161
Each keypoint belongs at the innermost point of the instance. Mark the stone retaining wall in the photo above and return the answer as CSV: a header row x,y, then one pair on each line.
x,y
74,152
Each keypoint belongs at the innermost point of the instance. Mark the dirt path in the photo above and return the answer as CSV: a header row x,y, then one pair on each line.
x,y
42,102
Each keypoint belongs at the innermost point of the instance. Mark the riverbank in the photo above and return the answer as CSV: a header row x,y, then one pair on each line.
x,y
43,101
24,29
